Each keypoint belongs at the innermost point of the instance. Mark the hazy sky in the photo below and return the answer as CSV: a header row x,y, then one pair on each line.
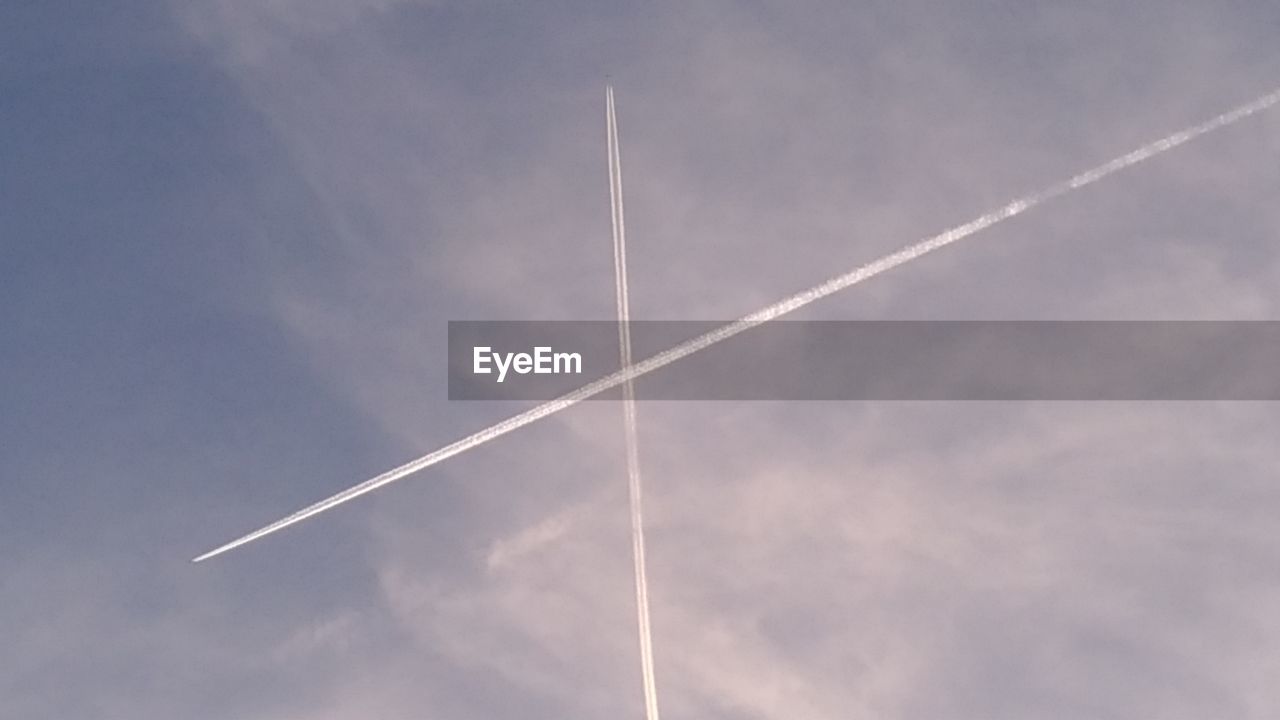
x,y
233,231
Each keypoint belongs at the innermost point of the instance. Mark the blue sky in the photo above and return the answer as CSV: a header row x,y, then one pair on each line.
x,y
233,233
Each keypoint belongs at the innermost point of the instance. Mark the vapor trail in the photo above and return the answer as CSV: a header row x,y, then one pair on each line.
x,y
629,412
778,309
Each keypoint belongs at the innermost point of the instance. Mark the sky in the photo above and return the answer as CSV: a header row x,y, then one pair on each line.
x,y
232,233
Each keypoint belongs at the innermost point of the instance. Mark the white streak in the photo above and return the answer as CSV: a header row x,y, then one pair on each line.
x,y
629,412
778,309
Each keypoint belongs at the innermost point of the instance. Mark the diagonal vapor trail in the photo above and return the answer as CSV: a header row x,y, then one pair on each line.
x,y
629,412
763,315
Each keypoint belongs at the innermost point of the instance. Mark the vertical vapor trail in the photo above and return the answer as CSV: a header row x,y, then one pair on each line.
x,y
778,309
629,411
